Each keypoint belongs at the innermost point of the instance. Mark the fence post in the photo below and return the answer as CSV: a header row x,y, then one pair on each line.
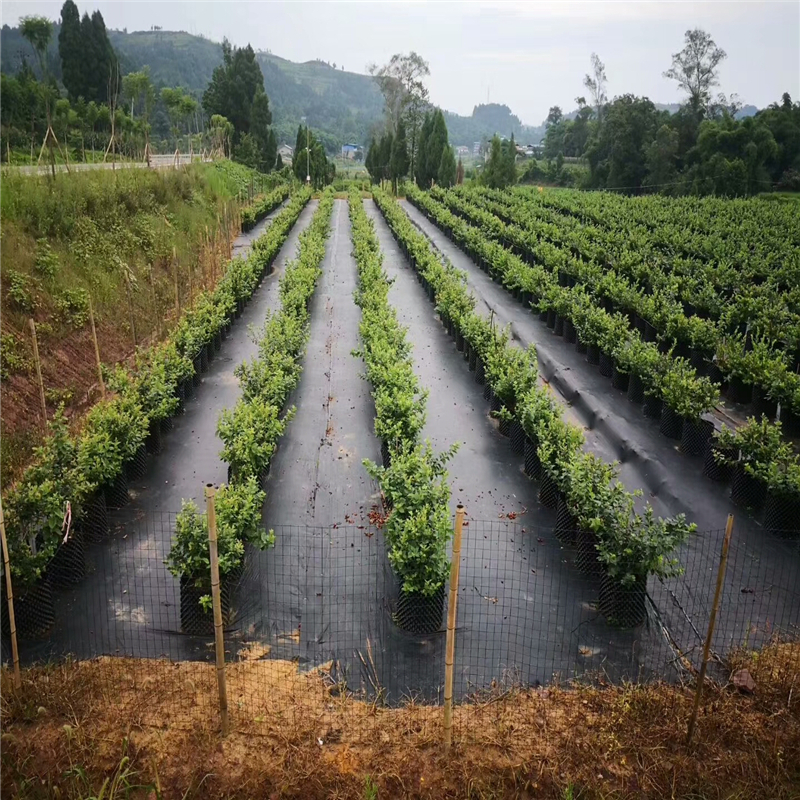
x,y
723,563
38,371
12,624
455,568
96,350
216,600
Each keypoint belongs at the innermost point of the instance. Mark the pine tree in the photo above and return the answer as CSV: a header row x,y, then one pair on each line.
x,y
459,172
436,145
70,51
369,161
447,168
399,156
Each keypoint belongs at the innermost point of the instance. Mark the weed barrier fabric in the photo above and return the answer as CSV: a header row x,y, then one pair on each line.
x,y
128,586
671,481
325,592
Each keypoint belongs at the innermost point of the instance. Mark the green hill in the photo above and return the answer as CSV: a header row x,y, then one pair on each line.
x,y
341,106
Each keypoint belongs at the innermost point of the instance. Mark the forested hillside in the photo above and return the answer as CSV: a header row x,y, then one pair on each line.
x,y
341,106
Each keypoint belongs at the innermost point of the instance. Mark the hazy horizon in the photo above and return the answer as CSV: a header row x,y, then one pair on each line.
x,y
527,55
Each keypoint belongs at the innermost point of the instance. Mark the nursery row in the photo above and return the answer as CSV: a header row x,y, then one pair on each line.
x,y
413,479
250,433
747,338
85,474
593,508
263,205
669,387
752,235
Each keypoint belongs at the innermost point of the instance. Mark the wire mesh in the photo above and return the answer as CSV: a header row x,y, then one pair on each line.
x,y
317,630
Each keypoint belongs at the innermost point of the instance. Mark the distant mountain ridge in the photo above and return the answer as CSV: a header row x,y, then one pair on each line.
x,y
342,106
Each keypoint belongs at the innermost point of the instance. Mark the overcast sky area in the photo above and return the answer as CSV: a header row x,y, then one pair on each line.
x,y
528,55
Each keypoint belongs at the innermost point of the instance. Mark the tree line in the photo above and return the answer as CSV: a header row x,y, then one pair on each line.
x,y
631,145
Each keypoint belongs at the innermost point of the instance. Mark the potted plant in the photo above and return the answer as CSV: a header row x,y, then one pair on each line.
x,y
782,507
686,398
417,530
639,361
249,435
238,515
34,513
558,443
636,546
760,444
721,453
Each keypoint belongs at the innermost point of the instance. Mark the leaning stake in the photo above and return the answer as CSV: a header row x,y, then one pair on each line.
x,y
38,372
455,567
217,603
723,563
12,624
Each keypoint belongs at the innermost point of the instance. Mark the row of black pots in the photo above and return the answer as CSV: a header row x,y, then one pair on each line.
x,y
35,608
621,605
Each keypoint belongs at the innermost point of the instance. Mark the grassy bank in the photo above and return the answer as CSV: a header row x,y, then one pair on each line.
x,y
139,244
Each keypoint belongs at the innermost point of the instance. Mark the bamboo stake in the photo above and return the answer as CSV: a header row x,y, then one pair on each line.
x,y
38,371
177,288
130,309
723,563
219,642
96,350
12,623
455,569
155,302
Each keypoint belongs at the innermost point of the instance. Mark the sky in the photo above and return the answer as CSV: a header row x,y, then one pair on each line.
x,y
529,55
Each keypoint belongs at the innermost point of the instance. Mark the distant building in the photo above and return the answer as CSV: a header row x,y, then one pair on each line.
x,y
350,150
286,152
476,149
462,150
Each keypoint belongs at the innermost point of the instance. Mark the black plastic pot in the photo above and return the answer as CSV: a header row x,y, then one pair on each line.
x,y
620,380
117,492
551,318
699,361
195,620
135,469
593,354
480,372
165,424
652,406
606,365
558,328
466,351
721,473
180,393
580,347
623,606
747,490
548,490
791,422
459,341
495,403
649,332
635,389
487,391
504,426
188,387
762,405
473,359
197,365
533,466
566,524
34,611
739,391
586,559
517,436
153,440
671,423
386,455
543,316
204,358
570,334
694,435
417,613
94,519
782,515
68,565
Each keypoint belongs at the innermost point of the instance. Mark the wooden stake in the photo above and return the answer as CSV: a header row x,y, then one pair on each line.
x,y
96,350
449,659
130,308
38,371
216,600
12,624
177,287
723,563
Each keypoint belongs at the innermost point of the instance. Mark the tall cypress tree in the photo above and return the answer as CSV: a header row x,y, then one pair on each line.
x,y
71,52
423,181
447,168
436,145
399,158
